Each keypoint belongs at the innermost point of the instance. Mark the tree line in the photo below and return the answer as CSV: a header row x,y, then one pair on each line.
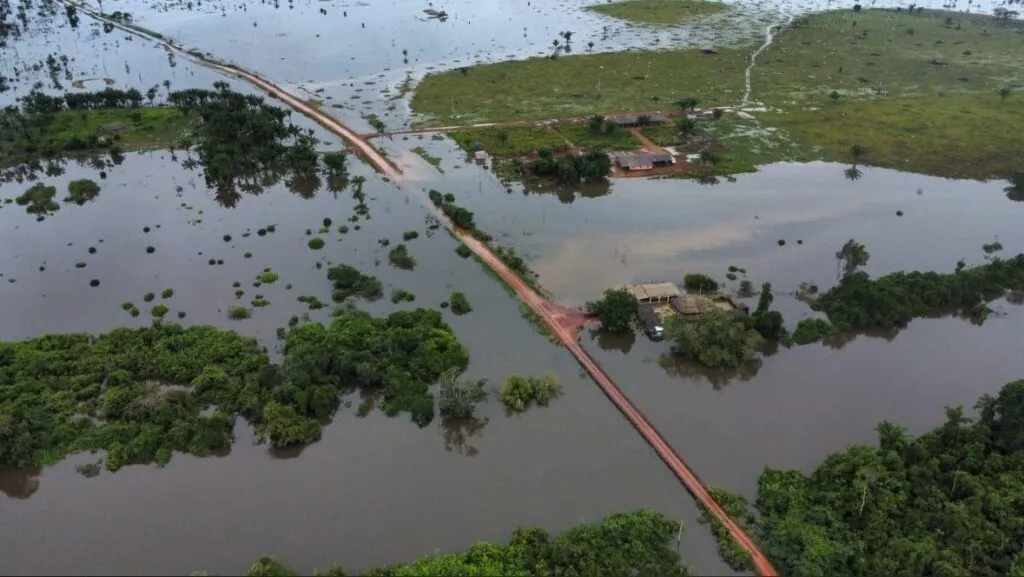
x,y
946,503
636,544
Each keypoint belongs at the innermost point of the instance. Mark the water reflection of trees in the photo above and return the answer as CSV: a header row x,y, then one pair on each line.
x,y
19,483
458,432
682,368
567,194
612,341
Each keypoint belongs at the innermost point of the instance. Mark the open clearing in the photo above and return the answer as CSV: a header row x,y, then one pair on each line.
x,y
920,92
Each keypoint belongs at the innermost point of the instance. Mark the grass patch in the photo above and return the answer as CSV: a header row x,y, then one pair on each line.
x,y
136,128
540,88
956,136
658,12
883,53
431,159
582,136
509,141
920,92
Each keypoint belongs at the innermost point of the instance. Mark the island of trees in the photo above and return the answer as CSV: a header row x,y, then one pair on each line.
x,y
142,394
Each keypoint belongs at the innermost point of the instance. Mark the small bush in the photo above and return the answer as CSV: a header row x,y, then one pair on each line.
x,y
259,302
402,295
127,306
159,311
248,255
167,293
410,235
181,314
237,313
463,251
79,265
94,283
133,311
327,222
150,250
315,243
399,257
268,277
459,303
227,238
518,391
148,297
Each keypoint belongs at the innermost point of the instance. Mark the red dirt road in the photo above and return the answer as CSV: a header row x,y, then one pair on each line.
x,y
563,322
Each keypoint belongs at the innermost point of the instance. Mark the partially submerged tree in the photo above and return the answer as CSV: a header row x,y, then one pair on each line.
x,y
616,309
716,340
457,395
850,257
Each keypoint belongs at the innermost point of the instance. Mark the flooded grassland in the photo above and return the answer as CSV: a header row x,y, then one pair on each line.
x,y
375,490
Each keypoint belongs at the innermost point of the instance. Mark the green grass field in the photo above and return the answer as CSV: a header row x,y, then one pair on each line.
x,y
920,92
581,135
885,54
542,88
658,12
518,140
139,128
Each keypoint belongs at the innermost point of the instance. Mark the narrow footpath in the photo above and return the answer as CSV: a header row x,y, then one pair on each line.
x,y
561,321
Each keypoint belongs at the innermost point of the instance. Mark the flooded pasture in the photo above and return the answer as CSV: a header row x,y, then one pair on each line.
x,y
376,490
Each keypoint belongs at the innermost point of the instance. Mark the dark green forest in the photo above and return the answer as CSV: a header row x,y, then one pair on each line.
x,y
142,394
949,502
638,544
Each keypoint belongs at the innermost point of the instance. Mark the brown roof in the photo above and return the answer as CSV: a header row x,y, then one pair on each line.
x,y
693,305
659,290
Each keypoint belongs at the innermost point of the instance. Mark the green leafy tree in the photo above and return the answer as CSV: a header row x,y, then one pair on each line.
x,y
699,282
851,256
616,309
716,340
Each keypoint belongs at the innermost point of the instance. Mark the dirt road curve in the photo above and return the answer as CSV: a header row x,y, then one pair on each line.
x,y
564,323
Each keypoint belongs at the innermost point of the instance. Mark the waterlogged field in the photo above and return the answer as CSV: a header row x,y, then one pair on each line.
x,y
157,241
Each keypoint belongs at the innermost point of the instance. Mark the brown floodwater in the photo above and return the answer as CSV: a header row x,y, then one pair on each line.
x,y
378,490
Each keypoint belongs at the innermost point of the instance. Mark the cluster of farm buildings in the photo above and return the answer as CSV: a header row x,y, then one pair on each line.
x,y
658,301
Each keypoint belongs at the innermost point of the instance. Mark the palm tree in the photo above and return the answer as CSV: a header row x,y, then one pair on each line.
x,y
686,126
857,151
1004,93
590,45
834,96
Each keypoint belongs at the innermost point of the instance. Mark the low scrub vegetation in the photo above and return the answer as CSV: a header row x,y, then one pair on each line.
x,y
518,392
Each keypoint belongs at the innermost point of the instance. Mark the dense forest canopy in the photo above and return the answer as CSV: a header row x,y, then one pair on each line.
x,y
633,544
893,300
142,394
950,502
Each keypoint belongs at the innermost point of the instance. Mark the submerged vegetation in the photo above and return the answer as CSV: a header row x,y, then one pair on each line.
x,y
141,394
48,127
635,543
518,392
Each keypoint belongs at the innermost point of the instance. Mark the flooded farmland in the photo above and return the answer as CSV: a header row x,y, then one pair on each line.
x,y
377,490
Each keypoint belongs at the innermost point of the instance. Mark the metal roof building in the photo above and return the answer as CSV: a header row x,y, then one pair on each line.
x,y
654,292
